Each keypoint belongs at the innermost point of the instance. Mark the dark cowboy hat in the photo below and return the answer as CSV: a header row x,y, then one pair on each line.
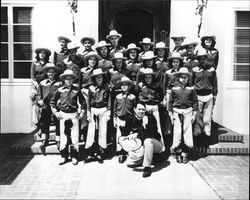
x,y
49,66
92,40
47,51
66,73
129,144
63,38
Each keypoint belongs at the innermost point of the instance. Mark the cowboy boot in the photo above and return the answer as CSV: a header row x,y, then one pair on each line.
x,y
146,172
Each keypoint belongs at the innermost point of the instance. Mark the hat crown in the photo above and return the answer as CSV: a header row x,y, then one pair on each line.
x,y
125,79
176,54
148,71
146,40
148,55
71,45
97,71
113,32
50,65
68,72
118,55
102,43
132,46
183,70
160,45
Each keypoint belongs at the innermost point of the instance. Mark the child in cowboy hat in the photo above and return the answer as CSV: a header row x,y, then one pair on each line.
x,y
208,42
133,65
178,40
123,111
98,115
68,103
103,51
189,59
205,83
87,43
114,38
146,45
183,106
151,94
37,75
61,54
46,89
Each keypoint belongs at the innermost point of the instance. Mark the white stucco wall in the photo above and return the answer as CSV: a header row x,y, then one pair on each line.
x,y
50,19
232,106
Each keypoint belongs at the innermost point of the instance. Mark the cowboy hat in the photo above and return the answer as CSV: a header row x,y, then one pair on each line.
x,y
148,71
118,55
208,36
175,55
146,41
97,72
101,44
91,54
189,43
63,38
129,144
113,33
178,36
47,51
160,45
132,46
148,55
201,52
183,70
124,80
66,73
92,40
72,46
49,66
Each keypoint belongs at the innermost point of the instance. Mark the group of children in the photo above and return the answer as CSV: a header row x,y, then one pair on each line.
x,y
90,94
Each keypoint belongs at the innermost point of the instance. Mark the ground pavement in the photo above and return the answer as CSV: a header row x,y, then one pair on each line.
x,y
40,177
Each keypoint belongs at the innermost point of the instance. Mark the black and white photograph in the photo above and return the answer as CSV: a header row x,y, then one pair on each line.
x,y
125,99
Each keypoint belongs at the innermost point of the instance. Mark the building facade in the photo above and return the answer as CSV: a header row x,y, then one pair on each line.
x,y
30,24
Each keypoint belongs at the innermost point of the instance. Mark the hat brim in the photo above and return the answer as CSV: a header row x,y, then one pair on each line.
x,y
106,45
88,56
63,76
123,58
171,58
92,40
118,35
208,36
180,73
135,48
48,52
129,144
160,48
148,58
93,75
64,38
57,69
141,43
189,44
129,82
175,37
77,47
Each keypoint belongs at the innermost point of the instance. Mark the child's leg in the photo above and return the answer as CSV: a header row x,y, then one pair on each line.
x,y
91,133
75,140
64,150
176,131
157,117
103,130
187,129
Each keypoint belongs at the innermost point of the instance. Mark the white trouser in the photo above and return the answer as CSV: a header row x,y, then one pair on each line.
x,y
187,127
154,110
74,130
101,114
206,109
120,123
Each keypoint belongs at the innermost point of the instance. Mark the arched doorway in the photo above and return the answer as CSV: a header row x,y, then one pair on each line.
x,y
135,20
134,24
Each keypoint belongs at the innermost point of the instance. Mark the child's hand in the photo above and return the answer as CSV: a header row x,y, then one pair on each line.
x,y
89,119
58,115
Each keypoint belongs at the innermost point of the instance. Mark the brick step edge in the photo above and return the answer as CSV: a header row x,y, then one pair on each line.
x,y
230,138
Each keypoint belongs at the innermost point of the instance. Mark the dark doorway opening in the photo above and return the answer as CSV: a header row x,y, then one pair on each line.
x,y
134,25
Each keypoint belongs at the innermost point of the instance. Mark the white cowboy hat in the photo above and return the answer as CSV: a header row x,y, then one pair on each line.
x,y
129,144
66,73
189,42
178,36
97,72
92,40
175,55
148,71
125,80
183,70
113,33
101,44
91,54
146,41
47,51
49,66
118,55
160,45
63,38
148,55
72,46
132,46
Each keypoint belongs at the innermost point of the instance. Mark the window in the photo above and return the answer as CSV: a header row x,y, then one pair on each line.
x,y
16,42
242,46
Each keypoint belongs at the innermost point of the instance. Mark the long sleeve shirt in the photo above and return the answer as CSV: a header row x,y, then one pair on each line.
x,y
213,57
67,100
124,105
182,98
150,94
99,97
146,127
59,58
85,76
36,71
105,65
170,79
46,90
205,80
